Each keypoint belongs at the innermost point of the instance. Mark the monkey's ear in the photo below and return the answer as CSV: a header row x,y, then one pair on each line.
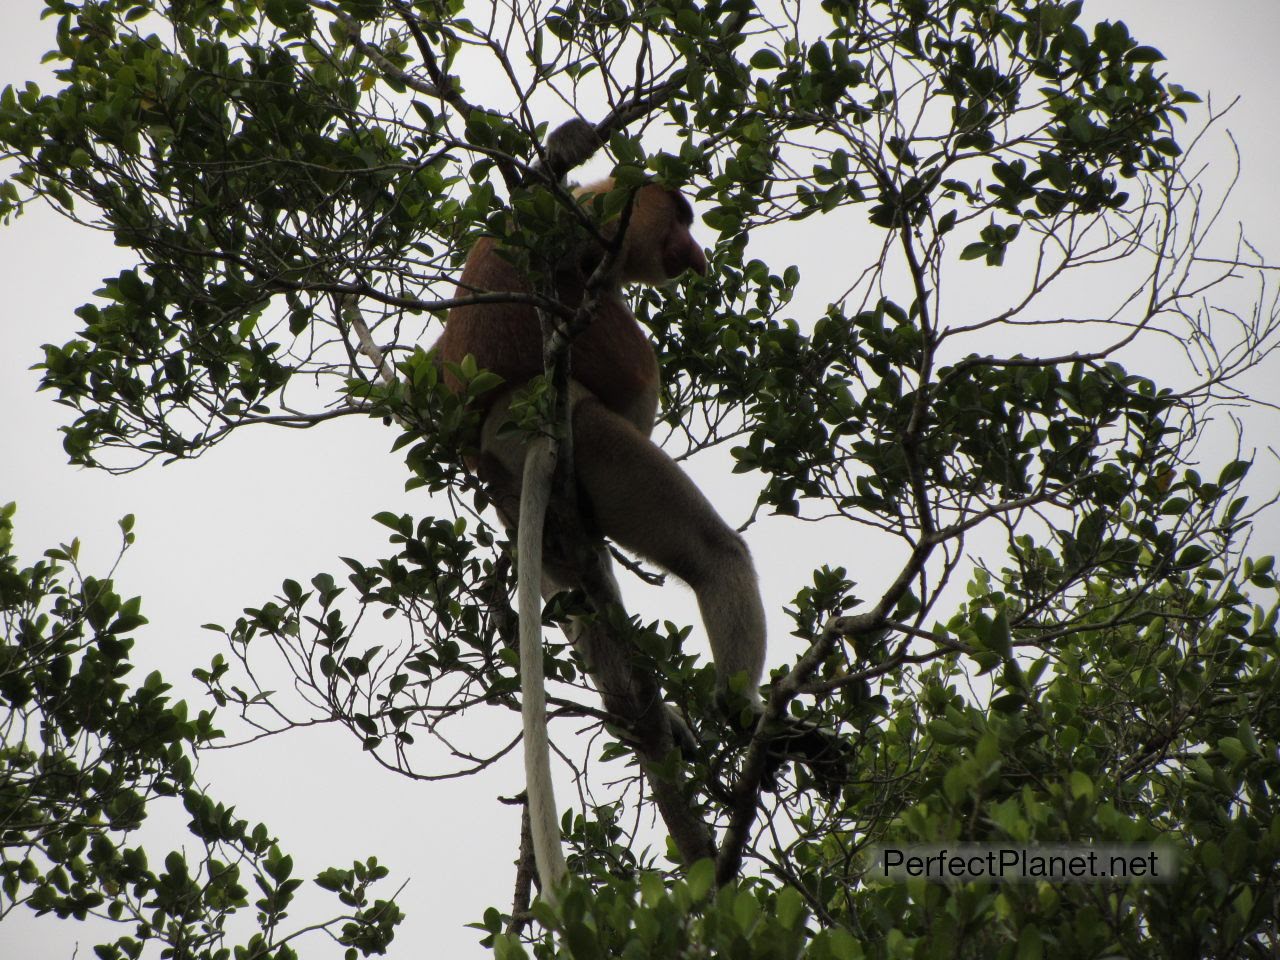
x,y
684,209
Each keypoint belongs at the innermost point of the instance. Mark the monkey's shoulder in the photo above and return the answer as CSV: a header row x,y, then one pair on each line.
x,y
491,266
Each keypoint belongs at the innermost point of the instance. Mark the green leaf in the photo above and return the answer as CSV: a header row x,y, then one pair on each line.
x,y
388,519
766,60
790,909
1233,471
1144,55
1233,749
701,878
1081,784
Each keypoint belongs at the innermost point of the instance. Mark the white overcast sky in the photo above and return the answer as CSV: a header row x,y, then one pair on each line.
x,y
221,533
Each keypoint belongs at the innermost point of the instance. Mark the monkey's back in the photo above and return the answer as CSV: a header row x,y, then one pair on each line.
x,y
612,357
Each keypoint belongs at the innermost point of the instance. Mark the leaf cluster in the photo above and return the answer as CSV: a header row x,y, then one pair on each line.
x,y
86,756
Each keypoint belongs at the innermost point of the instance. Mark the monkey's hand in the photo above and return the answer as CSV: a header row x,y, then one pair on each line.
x,y
682,735
569,145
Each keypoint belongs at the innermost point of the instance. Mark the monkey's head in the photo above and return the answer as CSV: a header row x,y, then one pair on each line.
x,y
659,245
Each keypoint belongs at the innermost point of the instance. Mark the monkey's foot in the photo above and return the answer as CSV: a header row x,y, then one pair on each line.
x,y
824,753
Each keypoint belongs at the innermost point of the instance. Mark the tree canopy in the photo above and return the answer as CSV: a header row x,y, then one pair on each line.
x,y
1001,240
85,757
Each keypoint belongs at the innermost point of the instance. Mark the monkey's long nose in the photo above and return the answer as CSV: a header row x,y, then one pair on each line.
x,y
683,253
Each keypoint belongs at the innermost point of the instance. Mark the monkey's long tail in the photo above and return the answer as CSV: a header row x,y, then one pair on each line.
x,y
535,494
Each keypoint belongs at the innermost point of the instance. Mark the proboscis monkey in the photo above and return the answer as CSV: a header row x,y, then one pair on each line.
x,y
629,488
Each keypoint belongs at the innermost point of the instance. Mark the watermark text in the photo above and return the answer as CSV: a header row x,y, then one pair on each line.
x,y
1010,863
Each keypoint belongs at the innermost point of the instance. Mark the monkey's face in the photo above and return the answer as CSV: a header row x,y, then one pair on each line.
x,y
659,245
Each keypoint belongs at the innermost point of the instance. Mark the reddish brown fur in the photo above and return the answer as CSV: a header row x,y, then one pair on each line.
x,y
637,495
612,357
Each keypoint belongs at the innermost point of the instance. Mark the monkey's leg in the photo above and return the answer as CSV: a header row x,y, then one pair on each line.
x,y
643,501
626,692
637,473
